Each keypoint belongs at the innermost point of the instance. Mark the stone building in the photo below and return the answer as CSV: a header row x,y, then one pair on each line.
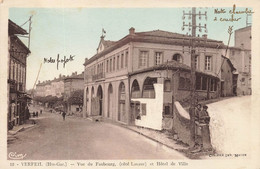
x,y
144,78
73,83
53,87
240,56
228,86
18,53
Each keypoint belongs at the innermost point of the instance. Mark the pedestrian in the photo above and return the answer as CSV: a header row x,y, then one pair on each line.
x,y
41,111
204,116
197,112
63,115
37,114
33,114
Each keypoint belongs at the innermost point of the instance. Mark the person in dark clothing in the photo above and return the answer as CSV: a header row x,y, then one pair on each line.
x,y
41,111
63,115
197,112
37,114
204,116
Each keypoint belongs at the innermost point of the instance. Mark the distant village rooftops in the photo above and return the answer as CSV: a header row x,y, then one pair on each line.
x,y
155,36
74,75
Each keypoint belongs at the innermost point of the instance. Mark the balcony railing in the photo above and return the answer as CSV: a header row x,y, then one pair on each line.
x,y
98,76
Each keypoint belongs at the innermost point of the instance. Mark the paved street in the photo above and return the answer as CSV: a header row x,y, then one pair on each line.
x,y
79,139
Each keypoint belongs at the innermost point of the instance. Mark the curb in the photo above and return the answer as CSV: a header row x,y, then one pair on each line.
x,y
21,128
157,141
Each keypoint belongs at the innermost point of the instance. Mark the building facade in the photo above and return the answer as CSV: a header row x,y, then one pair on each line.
x,y
229,75
73,83
138,79
53,87
240,56
18,54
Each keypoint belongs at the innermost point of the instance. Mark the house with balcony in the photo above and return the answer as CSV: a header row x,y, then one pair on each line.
x,y
17,55
145,77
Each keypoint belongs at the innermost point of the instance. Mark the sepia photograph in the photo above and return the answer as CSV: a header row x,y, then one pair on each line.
x,y
130,84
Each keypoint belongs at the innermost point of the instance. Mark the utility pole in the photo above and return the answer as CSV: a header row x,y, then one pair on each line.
x,y
192,26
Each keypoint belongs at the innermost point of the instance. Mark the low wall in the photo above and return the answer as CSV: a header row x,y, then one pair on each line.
x,y
181,123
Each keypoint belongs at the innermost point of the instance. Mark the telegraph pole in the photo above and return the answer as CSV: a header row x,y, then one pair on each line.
x,y
192,26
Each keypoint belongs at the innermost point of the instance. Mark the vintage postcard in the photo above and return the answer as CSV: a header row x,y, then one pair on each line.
x,y
125,84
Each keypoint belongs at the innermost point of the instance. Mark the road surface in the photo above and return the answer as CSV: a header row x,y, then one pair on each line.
x,y
80,139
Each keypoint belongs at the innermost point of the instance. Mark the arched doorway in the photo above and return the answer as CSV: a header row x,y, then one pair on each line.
x,y
92,96
121,111
100,99
148,89
110,100
87,100
135,90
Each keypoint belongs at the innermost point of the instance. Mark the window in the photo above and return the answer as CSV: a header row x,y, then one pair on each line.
x,y
107,64
114,63
184,83
117,62
143,58
177,57
122,60
212,83
126,58
111,65
11,71
204,83
158,58
198,82
197,62
143,106
167,109
167,85
249,63
207,62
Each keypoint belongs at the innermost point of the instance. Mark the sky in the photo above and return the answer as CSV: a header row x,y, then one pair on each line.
x,y
77,31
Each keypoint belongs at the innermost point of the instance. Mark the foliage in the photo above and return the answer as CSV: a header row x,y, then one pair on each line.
x,y
76,97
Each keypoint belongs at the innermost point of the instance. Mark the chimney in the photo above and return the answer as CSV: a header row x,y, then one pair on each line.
x,y
205,36
131,31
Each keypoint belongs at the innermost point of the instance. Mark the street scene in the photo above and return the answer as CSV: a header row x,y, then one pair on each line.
x,y
52,138
81,86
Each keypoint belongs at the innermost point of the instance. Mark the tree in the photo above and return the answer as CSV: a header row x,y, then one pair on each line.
x,y
76,98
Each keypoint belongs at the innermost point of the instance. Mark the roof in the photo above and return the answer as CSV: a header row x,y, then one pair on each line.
x,y
160,37
238,48
75,76
15,29
108,43
229,62
244,28
170,65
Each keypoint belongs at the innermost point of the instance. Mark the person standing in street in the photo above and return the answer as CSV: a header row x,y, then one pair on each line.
x,y
63,115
